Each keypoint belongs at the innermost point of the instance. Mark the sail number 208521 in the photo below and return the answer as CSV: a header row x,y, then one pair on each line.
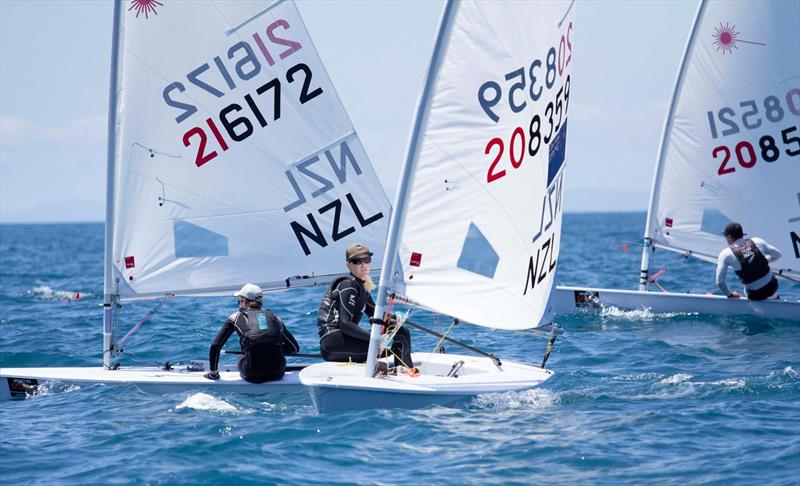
x,y
768,149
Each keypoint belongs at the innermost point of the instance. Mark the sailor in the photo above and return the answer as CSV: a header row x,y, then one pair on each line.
x,y
263,338
750,259
345,302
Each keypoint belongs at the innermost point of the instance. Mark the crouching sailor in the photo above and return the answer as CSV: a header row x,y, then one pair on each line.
x,y
750,259
262,336
346,301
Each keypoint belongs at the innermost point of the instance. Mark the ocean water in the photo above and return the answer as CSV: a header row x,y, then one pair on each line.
x,y
638,397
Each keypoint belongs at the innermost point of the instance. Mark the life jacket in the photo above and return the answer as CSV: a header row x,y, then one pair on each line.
x,y
261,339
754,264
328,316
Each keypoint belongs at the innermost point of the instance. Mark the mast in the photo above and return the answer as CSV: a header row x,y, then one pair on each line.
x,y
109,298
648,247
406,180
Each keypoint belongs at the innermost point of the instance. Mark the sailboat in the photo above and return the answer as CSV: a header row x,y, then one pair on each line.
x,y
729,152
476,229
230,160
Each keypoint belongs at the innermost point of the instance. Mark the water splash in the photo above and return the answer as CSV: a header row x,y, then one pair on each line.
x,y
640,314
44,292
52,388
535,399
204,401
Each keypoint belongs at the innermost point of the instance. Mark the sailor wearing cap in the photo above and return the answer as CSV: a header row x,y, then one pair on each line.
x,y
345,302
750,259
263,338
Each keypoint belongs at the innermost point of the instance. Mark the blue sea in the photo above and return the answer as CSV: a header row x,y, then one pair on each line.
x,y
638,397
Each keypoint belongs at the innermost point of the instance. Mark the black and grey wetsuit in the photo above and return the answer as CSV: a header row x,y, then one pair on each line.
x,y
753,264
264,340
750,259
340,337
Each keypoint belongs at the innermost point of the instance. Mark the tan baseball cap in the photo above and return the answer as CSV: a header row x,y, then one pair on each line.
x,y
357,250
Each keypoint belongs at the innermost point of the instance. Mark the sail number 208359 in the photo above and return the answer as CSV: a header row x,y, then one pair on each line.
x,y
548,76
541,130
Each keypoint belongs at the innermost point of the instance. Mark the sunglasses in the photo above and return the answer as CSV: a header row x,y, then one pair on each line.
x,y
359,261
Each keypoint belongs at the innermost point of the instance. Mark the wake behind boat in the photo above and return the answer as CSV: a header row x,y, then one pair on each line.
x,y
230,160
477,222
729,152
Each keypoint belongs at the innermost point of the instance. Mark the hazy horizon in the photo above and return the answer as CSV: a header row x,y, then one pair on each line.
x,y
53,127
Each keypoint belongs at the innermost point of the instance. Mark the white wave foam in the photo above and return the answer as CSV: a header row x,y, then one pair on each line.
x,y
204,401
527,399
788,371
729,383
674,379
679,386
269,407
43,292
638,377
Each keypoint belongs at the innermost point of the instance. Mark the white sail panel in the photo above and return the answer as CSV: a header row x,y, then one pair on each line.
x,y
731,146
236,160
481,234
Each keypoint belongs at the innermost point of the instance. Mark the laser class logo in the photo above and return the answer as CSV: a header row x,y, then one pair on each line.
x,y
726,38
144,6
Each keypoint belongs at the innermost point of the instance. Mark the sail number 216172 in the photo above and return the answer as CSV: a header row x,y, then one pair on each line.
x,y
236,121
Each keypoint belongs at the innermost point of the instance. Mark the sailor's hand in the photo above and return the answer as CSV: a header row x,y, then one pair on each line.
x,y
734,295
212,375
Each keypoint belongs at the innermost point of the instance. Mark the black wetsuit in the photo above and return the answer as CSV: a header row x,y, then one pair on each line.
x,y
340,337
264,340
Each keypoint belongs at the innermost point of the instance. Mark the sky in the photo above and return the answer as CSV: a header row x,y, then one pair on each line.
x,y
54,72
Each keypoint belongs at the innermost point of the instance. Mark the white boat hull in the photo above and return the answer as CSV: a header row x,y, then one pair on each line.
x,y
343,386
150,379
569,300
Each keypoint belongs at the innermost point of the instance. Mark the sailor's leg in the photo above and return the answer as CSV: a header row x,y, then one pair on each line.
x,y
402,348
341,348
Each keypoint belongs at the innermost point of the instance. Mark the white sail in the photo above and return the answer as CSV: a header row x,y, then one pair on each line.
x,y
480,234
236,161
731,144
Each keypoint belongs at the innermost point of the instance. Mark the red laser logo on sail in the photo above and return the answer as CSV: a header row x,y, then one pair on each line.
x,y
145,6
726,38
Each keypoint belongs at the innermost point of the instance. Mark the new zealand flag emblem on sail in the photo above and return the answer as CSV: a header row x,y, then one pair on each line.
x,y
557,152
